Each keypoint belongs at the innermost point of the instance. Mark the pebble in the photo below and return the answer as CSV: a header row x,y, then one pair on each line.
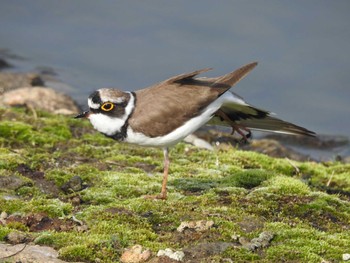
x,y
16,237
262,241
75,184
176,255
135,254
346,256
3,215
198,142
199,226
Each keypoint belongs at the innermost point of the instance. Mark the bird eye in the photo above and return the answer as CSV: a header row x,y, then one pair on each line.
x,y
107,106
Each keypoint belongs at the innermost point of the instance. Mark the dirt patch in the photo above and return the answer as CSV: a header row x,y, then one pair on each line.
x,y
38,177
41,222
251,224
119,211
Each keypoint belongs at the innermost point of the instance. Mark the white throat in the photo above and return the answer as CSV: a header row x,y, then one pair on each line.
x,y
111,125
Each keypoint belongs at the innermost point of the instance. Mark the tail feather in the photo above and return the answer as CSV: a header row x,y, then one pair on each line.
x,y
235,112
276,125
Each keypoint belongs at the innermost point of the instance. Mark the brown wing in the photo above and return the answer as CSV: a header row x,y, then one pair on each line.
x,y
167,105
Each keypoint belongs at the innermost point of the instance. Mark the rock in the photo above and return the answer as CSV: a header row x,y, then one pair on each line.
x,y
200,225
75,184
346,256
12,182
274,149
176,255
135,254
40,98
3,215
16,237
28,253
260,242
4,64
198,142
10,81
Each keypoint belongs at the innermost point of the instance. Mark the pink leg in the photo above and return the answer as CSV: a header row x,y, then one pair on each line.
x,y
235,127
163,193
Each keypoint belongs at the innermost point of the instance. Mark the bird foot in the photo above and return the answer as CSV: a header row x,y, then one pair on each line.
x,y
241,131
160,196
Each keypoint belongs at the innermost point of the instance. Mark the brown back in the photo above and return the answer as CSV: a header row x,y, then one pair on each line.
x,y
165,106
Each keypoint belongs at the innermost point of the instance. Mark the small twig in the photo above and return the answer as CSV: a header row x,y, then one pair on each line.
x,y
31,108
14,254
77,220
294,166
330,179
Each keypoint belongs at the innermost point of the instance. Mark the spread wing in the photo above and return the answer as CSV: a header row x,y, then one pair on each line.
x,y
171,103
243,114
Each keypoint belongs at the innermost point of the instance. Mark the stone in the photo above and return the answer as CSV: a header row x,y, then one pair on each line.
x,y
75,184
4,64
346,256
28,253
3,215
12,182
16,237
11,81
198,142
41,98
135,254
176,255
260,242
274,148
200,225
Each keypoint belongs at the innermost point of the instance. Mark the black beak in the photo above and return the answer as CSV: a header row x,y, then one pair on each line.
x,y
84,114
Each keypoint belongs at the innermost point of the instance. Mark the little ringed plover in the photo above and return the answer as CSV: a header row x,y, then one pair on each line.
x,y
165,113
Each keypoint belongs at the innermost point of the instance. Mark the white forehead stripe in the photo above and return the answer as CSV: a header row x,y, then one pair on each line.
x,y
93,105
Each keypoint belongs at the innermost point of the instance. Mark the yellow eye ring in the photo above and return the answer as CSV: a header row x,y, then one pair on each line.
x,y
107,106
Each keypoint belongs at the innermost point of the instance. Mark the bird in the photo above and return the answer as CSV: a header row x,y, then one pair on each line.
x,y
165,113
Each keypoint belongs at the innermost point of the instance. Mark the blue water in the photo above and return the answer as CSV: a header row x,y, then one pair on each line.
x,y
302,48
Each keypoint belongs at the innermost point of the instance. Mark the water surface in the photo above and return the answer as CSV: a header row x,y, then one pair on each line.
x,y
302,48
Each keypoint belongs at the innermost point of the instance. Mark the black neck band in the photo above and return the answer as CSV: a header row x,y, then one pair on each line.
x,y
120,136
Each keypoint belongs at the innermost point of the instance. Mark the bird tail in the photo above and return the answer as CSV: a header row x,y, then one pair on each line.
x,y
272,124
237,114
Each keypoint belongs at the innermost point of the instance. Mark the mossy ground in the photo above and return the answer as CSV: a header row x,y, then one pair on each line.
x,y
244,193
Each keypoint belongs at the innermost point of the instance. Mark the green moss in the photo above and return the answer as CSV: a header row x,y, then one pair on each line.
x,y
51,207
77,253
305,244
4,231
18,226
244,193
247,179
286,186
